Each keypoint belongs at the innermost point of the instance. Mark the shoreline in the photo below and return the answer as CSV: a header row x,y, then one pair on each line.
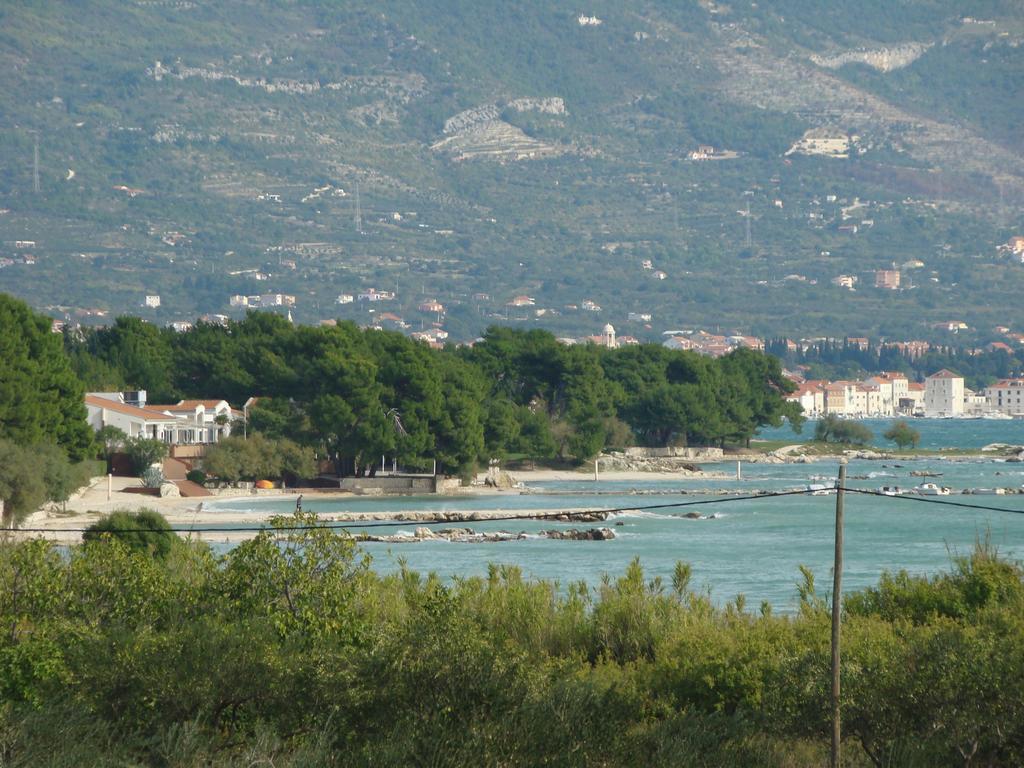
x,y
91,503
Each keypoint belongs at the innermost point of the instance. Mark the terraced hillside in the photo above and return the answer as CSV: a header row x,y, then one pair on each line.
x,y
702,163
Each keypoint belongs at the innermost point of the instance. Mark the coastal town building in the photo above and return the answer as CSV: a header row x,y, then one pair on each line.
x,y
1006,396
811,398
891,388
943,395
912,404
974,404
152,301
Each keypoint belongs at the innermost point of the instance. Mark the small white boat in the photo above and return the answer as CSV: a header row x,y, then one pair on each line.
x,y
986,491
822,489
997,415
931,489
891,490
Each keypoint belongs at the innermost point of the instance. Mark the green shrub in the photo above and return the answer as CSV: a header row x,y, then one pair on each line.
x,y
146,531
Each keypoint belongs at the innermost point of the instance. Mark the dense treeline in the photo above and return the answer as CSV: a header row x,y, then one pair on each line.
x,y
839,360
148,650
357,395
42,415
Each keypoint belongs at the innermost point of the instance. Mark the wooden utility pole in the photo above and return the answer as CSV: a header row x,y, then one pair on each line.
x,y
837,604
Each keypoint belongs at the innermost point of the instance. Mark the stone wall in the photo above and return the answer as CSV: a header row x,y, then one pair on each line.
x,y
693,453
389,484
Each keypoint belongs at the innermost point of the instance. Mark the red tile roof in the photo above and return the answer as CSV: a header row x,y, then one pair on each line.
x,y
146,414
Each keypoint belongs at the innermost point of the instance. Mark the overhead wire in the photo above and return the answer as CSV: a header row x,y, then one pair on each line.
x,y
933,500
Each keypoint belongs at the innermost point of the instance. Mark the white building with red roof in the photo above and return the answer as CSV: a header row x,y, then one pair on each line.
x,y
188,422
1006,396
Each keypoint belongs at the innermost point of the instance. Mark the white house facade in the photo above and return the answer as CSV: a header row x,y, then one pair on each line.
x,y
189,422
1006,396
943,395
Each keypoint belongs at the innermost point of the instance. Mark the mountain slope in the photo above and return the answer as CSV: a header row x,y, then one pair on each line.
x,y
188,148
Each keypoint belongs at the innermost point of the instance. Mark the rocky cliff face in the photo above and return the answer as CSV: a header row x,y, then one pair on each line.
x,y
882,59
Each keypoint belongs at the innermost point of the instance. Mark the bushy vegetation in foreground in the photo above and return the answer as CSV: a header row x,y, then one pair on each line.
x,y
290,651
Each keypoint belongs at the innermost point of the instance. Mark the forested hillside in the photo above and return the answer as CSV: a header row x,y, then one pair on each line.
x,y
471,153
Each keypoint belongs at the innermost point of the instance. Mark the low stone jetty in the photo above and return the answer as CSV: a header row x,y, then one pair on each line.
x,y
477,515
469,536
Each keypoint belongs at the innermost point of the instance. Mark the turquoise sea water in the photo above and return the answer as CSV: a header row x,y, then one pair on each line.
x,y
751,547
935,433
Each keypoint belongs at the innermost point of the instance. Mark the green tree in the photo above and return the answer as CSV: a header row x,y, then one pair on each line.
x,y
109,440
60,476
904,435
141,352
257,458
145,530
41,399
300,575
832,429
22,483
143,452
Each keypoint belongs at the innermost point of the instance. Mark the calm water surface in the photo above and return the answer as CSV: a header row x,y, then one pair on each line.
x,y
749,547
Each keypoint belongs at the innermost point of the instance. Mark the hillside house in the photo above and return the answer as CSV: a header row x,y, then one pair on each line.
x,y
522,301
273,300
391,319
152,301
887,279
373,295
844,281
433,306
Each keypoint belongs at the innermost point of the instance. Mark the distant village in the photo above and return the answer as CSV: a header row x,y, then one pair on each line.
x,y
941,396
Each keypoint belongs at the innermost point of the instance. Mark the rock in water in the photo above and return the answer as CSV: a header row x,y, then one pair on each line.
x,y
574,534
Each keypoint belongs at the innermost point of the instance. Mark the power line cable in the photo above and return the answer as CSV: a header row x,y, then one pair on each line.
x,y
933,500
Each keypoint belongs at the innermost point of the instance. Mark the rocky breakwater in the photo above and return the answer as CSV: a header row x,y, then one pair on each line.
x,y
453,516
469,536
634,461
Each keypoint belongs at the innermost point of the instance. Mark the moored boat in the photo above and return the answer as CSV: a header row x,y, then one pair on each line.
x,y
931,489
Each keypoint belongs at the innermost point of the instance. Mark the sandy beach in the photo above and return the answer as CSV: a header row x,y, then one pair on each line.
x,y
91,503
